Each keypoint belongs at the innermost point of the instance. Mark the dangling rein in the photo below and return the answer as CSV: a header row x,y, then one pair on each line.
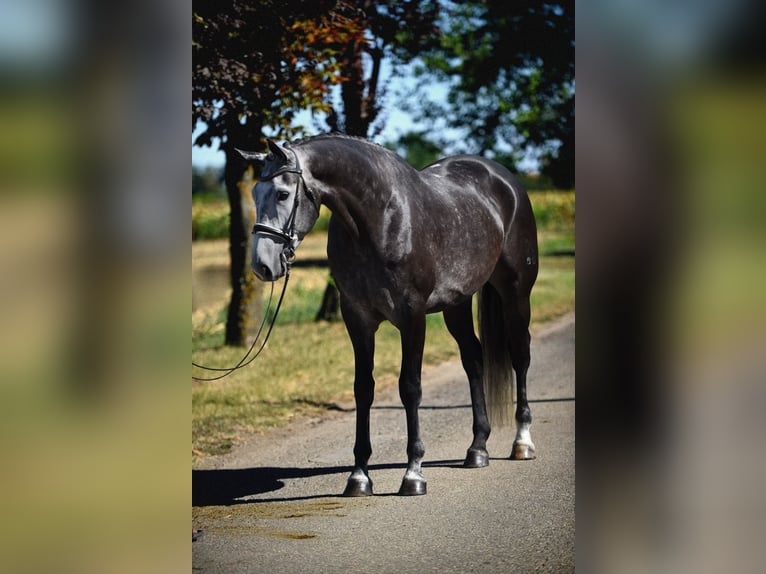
x,y
244,361
288,236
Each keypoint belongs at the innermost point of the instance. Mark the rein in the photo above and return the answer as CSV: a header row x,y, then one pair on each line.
x,y
244,361
288,236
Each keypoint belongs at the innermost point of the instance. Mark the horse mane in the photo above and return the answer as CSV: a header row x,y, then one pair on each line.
x,y
330,136
334,136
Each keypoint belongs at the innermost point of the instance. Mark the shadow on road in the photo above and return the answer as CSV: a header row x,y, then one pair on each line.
x,y
229,486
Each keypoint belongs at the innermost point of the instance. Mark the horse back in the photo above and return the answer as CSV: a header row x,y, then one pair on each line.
x,y
494,196
484,184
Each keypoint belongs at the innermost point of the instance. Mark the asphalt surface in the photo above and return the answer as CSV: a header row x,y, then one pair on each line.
x,y
273,505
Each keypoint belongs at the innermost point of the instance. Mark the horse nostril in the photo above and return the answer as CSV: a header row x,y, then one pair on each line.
x,y
265,272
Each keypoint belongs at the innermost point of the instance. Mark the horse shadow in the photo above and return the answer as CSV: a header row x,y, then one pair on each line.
x,y
225,487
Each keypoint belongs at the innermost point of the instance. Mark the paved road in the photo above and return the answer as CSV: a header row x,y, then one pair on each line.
x,y
272,505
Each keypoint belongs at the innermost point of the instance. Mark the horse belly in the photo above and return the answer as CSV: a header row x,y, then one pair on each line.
x,y
450,293
464,261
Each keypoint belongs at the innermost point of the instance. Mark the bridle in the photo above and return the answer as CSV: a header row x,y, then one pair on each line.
x,y
288,236
287,233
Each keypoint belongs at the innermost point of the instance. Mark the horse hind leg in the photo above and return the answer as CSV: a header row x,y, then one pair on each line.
x,y
518,315
459,321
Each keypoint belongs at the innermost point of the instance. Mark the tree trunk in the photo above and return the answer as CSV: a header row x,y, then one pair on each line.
x,y
360,110
330,309
244,313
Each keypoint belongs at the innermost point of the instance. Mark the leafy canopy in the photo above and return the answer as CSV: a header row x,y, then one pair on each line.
x,y
256,64
510,70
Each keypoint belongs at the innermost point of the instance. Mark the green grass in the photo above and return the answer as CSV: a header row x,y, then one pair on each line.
x,y
308,367
554,290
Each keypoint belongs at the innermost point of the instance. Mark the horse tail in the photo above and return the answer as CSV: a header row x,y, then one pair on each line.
x,y
496,354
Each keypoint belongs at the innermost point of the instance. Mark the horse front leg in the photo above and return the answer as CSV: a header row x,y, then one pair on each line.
x,y
410,392
362,333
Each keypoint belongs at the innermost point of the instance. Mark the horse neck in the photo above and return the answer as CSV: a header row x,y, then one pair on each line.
x,y
348,180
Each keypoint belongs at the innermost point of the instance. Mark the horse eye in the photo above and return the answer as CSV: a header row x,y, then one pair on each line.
x,y
282,195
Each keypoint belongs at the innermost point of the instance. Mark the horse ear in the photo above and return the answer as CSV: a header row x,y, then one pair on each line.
x,y
276,150
251,155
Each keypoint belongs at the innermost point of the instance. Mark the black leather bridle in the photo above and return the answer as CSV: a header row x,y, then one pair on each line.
x,y
287,233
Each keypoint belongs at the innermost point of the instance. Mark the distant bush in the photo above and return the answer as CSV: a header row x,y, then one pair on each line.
x,y
553,209
208,181
210,220
534,182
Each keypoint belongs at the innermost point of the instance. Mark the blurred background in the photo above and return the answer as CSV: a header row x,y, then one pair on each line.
x,y
670,237
94,170
670,240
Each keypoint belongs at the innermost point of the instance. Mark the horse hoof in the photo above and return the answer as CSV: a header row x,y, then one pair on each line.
x,y
523,452
476,458
413,484
358,486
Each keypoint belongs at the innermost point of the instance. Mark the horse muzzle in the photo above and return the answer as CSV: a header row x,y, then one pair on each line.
x,y
270,268
271,257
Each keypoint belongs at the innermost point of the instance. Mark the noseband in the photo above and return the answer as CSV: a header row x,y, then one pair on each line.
x,y
287,233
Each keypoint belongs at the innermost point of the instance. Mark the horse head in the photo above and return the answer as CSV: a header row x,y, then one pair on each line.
x,y
283,216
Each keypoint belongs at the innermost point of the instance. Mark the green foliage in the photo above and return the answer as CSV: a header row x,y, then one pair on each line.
x,y
534,182
393,31
417,149
510,67
554,210
256,64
